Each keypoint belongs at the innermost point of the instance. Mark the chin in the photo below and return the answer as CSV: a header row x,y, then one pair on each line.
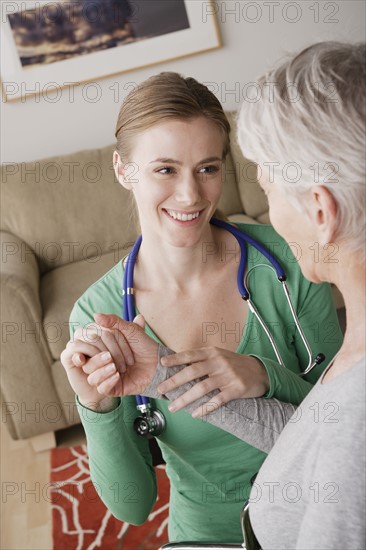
x,y
184,243
310,273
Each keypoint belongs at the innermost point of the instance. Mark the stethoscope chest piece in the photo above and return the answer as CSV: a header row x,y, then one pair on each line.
x,y
150,422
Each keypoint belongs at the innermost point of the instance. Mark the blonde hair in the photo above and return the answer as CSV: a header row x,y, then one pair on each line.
x,y
167,95
311,117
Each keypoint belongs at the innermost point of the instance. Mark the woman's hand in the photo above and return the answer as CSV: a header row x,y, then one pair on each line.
x,y
233,374
102,349
90,340
144,349
94,375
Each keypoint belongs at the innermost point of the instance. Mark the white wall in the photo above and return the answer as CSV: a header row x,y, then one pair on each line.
x,y
36,128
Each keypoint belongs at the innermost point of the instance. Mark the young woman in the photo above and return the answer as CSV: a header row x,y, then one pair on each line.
x,y
174,133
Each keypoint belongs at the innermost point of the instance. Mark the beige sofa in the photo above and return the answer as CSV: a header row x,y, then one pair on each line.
x,y
64,223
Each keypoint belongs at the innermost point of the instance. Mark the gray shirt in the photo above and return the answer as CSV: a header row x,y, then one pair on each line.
x,y
257,421
310,492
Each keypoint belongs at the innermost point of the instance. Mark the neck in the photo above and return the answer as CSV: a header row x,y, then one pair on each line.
x,y
350,277
178,268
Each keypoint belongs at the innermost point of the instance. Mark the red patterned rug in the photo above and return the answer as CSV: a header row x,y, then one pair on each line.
x,y
80,521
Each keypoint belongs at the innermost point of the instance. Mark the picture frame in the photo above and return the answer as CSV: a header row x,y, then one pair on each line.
x,y
19,82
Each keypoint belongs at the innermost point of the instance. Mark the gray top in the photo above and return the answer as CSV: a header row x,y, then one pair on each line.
x,y
310,492
257,421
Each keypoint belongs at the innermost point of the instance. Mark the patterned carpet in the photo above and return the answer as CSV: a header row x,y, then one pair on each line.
x,y
80,521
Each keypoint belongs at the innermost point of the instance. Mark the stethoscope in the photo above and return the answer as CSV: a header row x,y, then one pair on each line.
x,y
152,421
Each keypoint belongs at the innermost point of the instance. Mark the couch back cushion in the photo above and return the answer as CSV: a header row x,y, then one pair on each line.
x,y
253,201
229,202
66,208
70,208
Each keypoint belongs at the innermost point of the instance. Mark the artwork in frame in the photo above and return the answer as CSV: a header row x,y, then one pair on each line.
x,y
47,46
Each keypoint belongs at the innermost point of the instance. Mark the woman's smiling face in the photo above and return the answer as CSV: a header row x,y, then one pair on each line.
x,y
177,178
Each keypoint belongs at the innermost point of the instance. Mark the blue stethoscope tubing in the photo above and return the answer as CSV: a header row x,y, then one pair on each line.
x,y
243,239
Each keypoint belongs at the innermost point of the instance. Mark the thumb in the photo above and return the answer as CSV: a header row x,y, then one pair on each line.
x,y
114,322
129,330
139,320
107,320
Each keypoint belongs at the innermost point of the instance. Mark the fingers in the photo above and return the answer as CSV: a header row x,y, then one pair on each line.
x,y
102,373
77,347
118,348
100,360
90,334
184,357
104,339
188,374
78,359
196,392
133,333
127,331
140,320
112,322
108,385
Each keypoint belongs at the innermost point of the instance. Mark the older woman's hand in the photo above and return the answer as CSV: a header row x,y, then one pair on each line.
x,y
89,365
234,375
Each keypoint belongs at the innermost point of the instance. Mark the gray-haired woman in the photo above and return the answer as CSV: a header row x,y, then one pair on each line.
x,y
310,491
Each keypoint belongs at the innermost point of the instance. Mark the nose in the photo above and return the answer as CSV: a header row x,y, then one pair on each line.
x,y
188,190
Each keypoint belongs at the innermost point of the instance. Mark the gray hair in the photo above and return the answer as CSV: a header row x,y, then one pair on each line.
x,y
308,127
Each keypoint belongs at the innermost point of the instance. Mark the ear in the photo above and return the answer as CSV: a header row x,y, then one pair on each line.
x,y
324,213
119,171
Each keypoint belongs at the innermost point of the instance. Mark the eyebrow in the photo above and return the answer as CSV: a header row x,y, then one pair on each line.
x,y
173,161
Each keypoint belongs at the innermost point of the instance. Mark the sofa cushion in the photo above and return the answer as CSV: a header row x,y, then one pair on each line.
x,y
229,202
61,206
61,287
241,218
253,200
264,218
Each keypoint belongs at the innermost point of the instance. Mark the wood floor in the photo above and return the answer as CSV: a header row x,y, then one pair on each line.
x,y
25,509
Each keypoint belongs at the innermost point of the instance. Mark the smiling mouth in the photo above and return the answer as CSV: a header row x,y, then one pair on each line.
x,y
183,216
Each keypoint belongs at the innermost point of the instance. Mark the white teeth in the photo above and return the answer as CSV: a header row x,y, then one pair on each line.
x,y
183,217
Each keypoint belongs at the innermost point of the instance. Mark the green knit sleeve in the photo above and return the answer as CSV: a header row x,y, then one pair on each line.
x,y
120,461
318,319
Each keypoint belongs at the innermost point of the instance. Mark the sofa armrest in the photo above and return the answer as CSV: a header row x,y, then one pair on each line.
x,y
19,271
27,387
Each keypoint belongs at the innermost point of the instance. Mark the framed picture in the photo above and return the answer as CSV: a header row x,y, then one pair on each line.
x,y
47,46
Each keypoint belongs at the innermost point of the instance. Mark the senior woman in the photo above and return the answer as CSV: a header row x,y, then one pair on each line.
x,y
310,491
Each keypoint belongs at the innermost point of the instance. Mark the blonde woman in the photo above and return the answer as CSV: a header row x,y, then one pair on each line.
x,y
175,131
